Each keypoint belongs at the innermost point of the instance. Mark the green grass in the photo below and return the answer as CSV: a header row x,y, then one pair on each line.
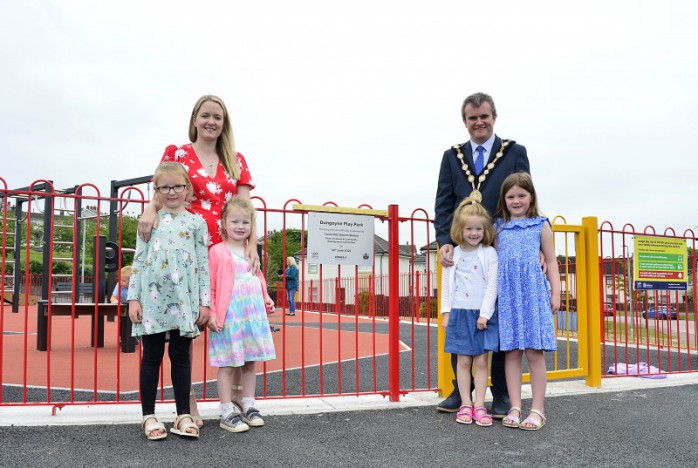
x,y
683,315
33,256
639,334
39,257
642,335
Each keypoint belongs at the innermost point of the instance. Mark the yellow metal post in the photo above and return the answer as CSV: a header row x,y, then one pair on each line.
x,y
445,379
591,233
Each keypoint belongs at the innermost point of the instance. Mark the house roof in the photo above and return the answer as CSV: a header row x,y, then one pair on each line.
x,y
420,258
433,247
380,246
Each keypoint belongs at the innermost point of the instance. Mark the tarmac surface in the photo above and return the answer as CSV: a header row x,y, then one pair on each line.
x,y
629,421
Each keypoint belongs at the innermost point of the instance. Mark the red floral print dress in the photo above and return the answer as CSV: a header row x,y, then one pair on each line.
x,y
210,193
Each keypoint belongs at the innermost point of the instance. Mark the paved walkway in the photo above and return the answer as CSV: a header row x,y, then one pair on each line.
x,y
130,413
627,422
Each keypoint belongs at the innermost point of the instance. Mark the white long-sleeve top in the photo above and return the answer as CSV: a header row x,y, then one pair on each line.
x,y
488,259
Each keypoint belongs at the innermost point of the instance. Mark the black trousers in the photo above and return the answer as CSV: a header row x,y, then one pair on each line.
x,y
499,381
180,370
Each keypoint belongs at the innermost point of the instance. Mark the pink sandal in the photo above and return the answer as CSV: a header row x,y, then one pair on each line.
x,y
465,414
482,417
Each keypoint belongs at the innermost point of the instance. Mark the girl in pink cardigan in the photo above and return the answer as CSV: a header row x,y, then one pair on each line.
x,y
240,333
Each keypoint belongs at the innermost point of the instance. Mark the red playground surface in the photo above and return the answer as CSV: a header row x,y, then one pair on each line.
x,y
106,369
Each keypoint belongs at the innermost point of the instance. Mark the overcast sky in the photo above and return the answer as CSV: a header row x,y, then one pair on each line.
x,y
355,102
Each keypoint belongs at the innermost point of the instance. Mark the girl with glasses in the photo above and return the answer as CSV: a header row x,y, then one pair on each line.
x,y
168,296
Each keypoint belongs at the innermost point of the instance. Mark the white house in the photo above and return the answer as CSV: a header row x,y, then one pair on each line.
x,y
349,280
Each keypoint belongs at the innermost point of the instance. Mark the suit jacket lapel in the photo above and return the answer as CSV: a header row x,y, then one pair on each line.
x,y
468,155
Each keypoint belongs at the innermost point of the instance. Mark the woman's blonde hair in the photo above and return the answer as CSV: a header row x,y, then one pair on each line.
x,y
225,145
290,261
236,203
173,169
469,208
524,181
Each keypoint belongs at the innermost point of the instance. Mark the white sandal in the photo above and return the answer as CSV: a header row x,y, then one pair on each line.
x,y
181,428
535,424
148,429
511,421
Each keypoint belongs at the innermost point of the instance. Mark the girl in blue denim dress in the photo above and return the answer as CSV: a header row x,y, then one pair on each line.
x,y
468,296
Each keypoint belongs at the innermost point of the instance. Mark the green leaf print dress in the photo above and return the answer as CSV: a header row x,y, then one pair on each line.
x,y
170,275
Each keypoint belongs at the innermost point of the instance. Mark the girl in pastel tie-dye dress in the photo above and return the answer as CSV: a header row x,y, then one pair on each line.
x,y
240,333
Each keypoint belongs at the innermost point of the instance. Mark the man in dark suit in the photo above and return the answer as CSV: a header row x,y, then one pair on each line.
x,y
462,168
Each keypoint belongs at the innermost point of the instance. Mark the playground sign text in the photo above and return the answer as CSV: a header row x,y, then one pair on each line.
x,y
660,263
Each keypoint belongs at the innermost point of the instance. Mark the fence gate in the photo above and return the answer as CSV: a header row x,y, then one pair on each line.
x,y
577,322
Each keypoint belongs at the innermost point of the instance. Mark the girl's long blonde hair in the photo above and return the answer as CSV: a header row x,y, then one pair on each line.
x,y
469,208
225,145
237,203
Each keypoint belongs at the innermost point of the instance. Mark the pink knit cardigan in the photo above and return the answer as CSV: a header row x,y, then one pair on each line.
x,y
222,273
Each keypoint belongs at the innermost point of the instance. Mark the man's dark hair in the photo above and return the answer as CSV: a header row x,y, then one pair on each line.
x,y
476,100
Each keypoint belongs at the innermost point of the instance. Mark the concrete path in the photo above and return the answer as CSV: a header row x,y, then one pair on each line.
x,y
627,422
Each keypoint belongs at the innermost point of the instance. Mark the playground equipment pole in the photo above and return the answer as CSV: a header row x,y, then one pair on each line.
x,y
114,212
18,242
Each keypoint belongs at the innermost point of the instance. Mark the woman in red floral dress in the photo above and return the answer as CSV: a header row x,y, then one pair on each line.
x,y
217,172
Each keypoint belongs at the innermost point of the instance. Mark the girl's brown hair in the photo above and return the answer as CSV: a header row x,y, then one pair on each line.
x,y
467,209
225,145
240,204
524,181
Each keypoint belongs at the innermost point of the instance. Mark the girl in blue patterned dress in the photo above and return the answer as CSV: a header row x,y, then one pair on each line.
x,y
169,294
240,333
526,305
468,296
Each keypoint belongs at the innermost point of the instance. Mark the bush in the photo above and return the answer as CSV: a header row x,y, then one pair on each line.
x,y
61,268
433,304
363,301
36,267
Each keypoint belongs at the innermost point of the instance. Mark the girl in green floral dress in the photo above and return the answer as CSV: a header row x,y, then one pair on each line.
x,y
168,296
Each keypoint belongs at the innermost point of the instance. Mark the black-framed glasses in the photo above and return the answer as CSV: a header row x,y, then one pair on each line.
x,y
165,189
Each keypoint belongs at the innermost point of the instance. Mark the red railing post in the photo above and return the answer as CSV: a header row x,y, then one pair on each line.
x,y
393,307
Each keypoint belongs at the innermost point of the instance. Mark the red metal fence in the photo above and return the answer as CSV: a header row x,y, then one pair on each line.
x,y
357,331
644,332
